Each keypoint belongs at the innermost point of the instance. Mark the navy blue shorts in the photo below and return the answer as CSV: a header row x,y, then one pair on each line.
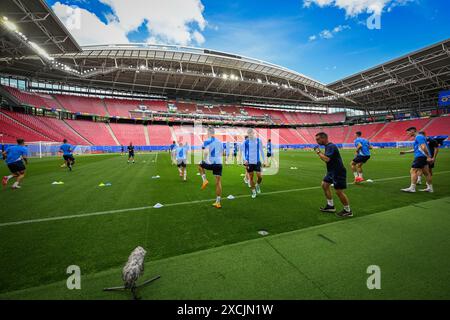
x,y
16,167
269,154
361,159
69,157
419,163
215,168
254,167
131,154
339,180
181,163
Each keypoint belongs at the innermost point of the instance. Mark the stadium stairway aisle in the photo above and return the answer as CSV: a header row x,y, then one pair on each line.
x,y
323,262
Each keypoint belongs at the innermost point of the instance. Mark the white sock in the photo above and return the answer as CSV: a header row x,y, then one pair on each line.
x,y
355,174
15,184
413,186
204,177
360,175
330,202
217,199
253,191
429,186
9,177
185,173
347,208
419,179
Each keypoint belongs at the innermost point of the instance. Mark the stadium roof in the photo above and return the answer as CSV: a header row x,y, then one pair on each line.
x,y
38,23
411,81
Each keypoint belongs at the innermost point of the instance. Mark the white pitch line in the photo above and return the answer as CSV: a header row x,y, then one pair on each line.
x,y
101,213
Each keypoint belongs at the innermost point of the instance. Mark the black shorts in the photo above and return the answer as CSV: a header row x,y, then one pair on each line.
x,y
339,180
69,158
215,168
254,167
181,163
16,167
431,165
361,159
419,163
269,154
130,154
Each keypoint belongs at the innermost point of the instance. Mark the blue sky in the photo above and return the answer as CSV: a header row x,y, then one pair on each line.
x,y
286,33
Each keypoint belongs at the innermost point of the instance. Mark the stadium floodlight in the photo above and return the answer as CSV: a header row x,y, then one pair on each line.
x,y
11,26
133,269
225,76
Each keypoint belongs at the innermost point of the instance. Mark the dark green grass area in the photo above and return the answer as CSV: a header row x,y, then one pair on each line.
x,y
323,262
38,253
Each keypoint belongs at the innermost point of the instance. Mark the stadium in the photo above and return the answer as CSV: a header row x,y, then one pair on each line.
x,y
273,245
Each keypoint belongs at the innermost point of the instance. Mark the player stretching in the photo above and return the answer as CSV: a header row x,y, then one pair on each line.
x,y
253,154
434,143
67,151
181,156
131,153
362,156
213,163
15,158
336,175
422,157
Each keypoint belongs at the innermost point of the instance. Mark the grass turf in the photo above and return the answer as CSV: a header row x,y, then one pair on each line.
x,y
38,253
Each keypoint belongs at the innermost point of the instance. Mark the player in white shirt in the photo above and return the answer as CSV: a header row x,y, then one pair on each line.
x,y
254,158
181,154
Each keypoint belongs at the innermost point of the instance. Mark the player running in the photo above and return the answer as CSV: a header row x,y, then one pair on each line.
x,y
336,175
131,153
422,157
67,150
254,158
181,152
363,148
235,151
15,157
213,163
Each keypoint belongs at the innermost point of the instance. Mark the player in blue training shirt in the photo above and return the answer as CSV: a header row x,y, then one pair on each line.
x,y
67,151
235,151
269,151
214,148
15,156
254,158
181,155
422,157
434,143
246,176
336,175
172,148
362,156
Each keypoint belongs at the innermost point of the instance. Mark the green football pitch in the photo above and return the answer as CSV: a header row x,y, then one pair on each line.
x,y
205,253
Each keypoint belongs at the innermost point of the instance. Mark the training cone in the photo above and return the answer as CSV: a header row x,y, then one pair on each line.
x,y
158,205
230,197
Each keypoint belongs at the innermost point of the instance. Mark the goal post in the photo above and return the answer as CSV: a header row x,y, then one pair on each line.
x,y
39,149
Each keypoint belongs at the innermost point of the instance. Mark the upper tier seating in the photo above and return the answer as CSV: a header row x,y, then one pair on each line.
x,y
79,104
38,100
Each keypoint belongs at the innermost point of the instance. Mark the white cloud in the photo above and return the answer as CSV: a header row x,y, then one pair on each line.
x,y
355,7
169,21
329,34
